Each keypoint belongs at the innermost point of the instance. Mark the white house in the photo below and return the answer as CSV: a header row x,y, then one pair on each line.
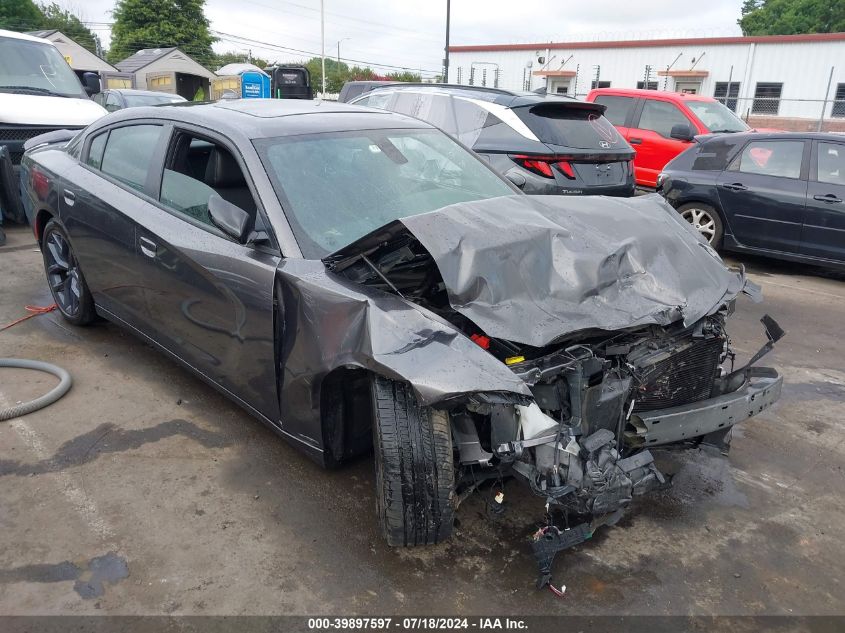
x,y
790,77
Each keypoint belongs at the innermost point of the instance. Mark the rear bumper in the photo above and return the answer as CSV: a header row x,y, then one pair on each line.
x,y
553,189
678,424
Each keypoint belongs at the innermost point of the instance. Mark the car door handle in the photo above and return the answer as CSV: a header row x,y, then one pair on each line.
x,y
828,197
148,247
635,141
735,186
69,197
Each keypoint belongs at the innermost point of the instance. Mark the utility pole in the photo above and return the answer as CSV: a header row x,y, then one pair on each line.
x,y
446,50
323,47
338,48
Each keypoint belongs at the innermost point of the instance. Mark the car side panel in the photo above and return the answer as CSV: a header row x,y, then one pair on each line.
x,y
823,233
211,303
765,211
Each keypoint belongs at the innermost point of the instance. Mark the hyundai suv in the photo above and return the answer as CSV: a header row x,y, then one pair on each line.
x,y
544,145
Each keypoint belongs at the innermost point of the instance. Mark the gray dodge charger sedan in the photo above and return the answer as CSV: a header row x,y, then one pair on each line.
x,y
359,281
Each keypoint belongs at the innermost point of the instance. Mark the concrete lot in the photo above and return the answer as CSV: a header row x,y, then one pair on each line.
x,y
143,491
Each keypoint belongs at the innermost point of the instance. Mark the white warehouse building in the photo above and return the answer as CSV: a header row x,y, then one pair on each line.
x,y
785,81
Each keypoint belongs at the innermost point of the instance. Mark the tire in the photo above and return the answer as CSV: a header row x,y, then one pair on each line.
x,y
67,285
706,220
415,471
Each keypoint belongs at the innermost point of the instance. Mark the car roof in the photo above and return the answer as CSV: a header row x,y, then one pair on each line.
x,y
24,36
641,92
264,118
507,98
134,91
774,136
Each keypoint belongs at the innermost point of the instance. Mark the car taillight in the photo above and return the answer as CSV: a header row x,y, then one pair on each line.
x,y
542,165
566,169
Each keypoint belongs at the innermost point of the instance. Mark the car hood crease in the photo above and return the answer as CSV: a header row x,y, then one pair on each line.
x,y
536,269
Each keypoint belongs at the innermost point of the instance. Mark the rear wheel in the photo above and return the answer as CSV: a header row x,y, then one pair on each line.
x,y
704,219
67,285
415,472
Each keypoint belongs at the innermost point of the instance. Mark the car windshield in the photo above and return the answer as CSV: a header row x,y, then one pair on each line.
x,y
133,101
35,68
716,117
338,187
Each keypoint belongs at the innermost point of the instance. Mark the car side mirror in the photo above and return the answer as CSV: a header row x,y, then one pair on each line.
x,y
91,83
516,178
227,217
682,132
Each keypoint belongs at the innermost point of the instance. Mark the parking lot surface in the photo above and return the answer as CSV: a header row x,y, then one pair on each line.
x,y
143,491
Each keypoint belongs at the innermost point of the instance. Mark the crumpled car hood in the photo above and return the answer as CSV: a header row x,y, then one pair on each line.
x,y
535,269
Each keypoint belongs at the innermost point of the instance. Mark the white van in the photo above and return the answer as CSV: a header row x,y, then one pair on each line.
x,y
38,93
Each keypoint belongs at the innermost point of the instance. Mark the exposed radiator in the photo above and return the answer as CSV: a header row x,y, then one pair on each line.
x,y
682,378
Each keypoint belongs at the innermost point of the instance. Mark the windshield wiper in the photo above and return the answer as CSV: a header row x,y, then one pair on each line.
x,y
32,89
725,131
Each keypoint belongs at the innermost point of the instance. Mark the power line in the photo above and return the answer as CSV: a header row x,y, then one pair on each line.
x,y
342,16
237,39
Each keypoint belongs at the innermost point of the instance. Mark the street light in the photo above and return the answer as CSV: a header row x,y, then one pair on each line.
x,y
338,47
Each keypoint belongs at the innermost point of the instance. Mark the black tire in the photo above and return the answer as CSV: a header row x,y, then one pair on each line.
x,y
714,236
67,285
415,471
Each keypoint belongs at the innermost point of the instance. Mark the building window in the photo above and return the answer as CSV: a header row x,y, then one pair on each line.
x,y
601,84
766,98
726,93
839,101
650,85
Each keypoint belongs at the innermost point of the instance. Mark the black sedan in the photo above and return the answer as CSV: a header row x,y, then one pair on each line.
x,y
781,194
358,280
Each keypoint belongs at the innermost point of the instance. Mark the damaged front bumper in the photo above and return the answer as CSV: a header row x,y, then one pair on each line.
x,y
677,424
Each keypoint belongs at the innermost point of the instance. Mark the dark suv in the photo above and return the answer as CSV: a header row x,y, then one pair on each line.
x,y
778,194
545,145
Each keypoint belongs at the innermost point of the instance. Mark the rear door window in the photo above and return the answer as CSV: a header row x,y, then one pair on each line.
x,y
618,108
578,128
129,153
95,151
771,158
831,165
661,117
380,100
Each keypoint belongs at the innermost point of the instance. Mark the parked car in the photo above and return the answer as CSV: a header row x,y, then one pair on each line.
x,y
119,98
775,194
354,89
661,125
38,93
545,145
358,281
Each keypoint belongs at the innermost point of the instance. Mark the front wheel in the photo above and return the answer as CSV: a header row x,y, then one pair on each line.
x,y
704,219
415,471
67,285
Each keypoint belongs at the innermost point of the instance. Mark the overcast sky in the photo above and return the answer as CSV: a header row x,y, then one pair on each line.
x,y
411,33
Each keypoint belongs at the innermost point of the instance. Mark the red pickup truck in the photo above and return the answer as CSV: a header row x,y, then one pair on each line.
x,y
661,125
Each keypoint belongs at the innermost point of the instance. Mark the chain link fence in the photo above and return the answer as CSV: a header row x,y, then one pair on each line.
x,y
794,115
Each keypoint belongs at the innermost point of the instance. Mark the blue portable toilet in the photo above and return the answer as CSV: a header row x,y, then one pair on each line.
x,y
244,81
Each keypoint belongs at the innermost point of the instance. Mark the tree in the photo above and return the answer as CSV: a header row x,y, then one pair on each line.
x,y
788,17
405,75
159,24
234,57
20,15
54,17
